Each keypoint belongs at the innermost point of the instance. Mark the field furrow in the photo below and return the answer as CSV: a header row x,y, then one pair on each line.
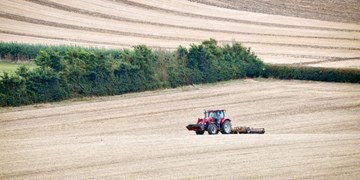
x,y
312,128
166,25
143,135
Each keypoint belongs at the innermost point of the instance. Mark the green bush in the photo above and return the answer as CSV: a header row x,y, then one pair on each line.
x,y
44,85
129,78
13,91
209,62
178,73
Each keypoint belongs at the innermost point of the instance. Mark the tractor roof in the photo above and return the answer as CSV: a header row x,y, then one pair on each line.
x,y
214,110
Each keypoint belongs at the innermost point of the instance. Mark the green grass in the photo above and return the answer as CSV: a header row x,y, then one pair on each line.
x,y
11,67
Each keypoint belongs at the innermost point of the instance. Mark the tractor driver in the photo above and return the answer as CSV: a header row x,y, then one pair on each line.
x,y
218,117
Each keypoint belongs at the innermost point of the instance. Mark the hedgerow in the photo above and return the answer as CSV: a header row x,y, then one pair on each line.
x,y
313,73
27,52
65,72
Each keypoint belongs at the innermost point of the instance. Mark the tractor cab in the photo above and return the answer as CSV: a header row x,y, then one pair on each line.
x,y
216,114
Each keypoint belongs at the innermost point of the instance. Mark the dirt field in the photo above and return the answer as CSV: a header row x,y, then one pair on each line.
x,y
312,131
335,10
312,128
277,36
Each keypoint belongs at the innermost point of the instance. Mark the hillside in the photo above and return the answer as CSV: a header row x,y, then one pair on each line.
x,y
275,35
312,131
335,10
312,128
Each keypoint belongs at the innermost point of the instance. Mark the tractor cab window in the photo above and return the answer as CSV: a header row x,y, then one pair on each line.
x,y
212,114
221,114
216,114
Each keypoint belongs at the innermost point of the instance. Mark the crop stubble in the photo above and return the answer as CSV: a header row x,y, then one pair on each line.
x,y
164,24
312,131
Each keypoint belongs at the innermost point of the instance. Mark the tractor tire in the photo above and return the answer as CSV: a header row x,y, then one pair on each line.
x,y
212,129
226,127
248,130
199,132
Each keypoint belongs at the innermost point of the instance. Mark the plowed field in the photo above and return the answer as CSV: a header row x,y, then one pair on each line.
x,y
312,128
314,33
312,131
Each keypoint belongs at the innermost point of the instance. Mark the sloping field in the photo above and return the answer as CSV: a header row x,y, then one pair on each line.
x,y
312,131
335,10
312,128
277,38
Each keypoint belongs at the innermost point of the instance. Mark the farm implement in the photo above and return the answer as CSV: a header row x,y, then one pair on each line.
x,y
215,122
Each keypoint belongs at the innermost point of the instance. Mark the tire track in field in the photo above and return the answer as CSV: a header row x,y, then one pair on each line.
x,y
75,40
168,11
124,19
151,36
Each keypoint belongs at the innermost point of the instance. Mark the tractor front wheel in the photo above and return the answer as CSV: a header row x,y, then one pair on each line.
x,y
226,127
212,129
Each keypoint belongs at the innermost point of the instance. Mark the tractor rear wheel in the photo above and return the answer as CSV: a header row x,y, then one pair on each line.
x,y
199,132
226,127
212,129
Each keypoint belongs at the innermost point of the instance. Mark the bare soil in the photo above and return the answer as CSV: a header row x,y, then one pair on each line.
x,y
335,10
312,128
280,32
312,132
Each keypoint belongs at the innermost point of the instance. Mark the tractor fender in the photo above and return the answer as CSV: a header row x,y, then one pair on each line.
x,y
223,120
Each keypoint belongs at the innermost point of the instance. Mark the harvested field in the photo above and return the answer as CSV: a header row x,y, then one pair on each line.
x,y
331,31
312,131
312,128
335,10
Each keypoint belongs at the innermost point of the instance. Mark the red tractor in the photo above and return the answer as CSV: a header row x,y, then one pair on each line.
x,y
213,122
